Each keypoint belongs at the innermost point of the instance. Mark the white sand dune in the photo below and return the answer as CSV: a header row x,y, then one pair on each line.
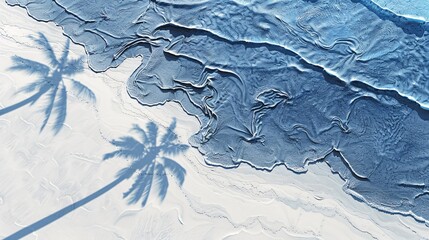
x,y
41,173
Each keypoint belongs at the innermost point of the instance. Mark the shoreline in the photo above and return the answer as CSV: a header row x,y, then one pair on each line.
x,y
43,173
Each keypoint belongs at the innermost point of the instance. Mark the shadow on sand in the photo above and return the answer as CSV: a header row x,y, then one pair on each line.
x,y
50,82
149,166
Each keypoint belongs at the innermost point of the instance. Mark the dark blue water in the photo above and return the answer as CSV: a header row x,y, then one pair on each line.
x,y
278,82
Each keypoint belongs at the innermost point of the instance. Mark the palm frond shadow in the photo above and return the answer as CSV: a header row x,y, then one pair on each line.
x,y
150,163
50,82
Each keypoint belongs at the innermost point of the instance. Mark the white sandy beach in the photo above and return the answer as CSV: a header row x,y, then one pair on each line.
x,y
41,173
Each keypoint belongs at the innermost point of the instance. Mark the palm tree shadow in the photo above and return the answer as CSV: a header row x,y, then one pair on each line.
x,y
150,162
50,82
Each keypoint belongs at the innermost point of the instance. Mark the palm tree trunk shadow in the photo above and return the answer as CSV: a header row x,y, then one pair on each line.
x,y
32,99
62,212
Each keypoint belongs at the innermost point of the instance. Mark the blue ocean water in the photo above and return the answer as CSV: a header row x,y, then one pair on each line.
x,y
278,82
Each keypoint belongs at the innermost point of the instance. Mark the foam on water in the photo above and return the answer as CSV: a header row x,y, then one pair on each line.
x,y
278,82
418,9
